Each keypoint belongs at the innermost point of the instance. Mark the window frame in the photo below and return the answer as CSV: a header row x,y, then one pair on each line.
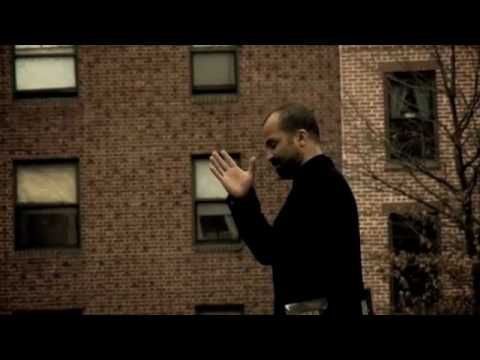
x,y
386,69
215,89
45,93
406,210
196,202
47,206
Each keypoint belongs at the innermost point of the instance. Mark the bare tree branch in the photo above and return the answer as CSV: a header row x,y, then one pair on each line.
x,y
417,199
474,158
412,162
409,142
445,202
476,82
448,86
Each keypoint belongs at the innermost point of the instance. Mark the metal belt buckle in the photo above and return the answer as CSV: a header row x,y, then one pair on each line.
x,y
312,307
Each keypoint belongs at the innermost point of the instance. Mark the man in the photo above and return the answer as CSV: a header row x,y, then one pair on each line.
x,y
314,243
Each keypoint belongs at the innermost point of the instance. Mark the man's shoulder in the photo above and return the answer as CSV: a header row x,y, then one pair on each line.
x,y
324,182
322,172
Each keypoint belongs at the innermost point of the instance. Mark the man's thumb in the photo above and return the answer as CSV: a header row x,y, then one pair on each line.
x,y
251,165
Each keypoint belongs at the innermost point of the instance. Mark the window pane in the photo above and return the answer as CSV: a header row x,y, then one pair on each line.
x,y
38,228
26,50
44,184
45,73
207,186
214,69
404,236
412,94
406,137
215,222
413,236
411,107
413,284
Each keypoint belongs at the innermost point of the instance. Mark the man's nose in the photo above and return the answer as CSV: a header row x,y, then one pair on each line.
x,y
269,156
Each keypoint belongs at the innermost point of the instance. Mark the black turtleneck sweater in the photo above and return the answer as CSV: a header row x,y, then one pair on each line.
x,y
314,243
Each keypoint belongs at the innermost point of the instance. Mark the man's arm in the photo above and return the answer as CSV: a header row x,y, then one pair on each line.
x,y
244,204
252,226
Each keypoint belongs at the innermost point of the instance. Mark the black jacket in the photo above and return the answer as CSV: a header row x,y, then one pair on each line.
x,y
314,243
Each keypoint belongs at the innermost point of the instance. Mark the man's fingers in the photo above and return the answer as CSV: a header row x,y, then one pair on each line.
x,y
220,162
215,172
228,159
216,165
251,166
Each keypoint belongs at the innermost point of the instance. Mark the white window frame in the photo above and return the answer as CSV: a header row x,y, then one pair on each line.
x,y
210,200
49,52
46,206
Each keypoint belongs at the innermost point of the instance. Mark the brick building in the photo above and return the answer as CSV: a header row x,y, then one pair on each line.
x,y
120,133
126,219
373,79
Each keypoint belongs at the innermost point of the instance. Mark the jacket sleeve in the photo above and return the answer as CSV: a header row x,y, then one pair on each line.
x,y
252,226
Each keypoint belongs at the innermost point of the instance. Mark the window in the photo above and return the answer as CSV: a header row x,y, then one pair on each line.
x,y
45,70
415,274
47,205
214,69
411,115
220,310
213,219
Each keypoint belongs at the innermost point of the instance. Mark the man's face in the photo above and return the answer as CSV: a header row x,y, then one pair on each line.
x,y
282,150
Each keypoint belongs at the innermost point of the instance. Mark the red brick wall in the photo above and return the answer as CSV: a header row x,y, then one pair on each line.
x,y
134,127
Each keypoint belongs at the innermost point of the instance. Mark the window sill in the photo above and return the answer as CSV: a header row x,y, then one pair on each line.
x,y
215,98
396,166
47,252
42,94
218,247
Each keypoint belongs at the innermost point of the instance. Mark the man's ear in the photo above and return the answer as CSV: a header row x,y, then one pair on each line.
x,y
302,137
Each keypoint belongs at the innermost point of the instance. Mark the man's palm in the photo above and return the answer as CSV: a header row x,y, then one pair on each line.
x,y
236,181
